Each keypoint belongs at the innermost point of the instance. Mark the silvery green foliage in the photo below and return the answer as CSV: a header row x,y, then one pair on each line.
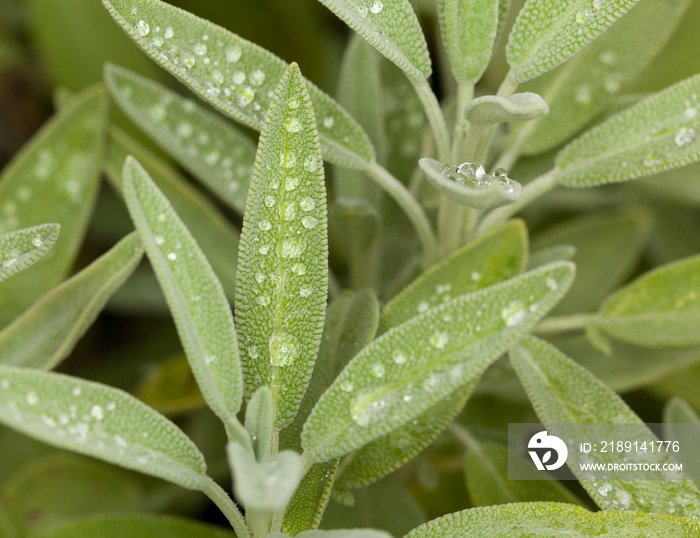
x,y
491,109
259,418
582,87
283,259
336,533
23,248
99,421
216,153
545,519
234,75
468,31
311,497
391,27
551,254
547,33
410,369
470,185
563,392
657,134
47,332
660,308
197,301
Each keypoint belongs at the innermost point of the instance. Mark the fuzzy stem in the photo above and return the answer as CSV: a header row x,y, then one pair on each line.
x,y
219,497
435,117
465,92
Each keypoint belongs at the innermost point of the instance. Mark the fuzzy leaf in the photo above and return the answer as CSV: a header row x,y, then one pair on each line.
x,y
391,27
595,75
215,152
491,109
564,392
657,134
682,424
243,82
545,519
336,533
99,421
547,33
53,179
551,254
259,415
410,369
469,32
492,258
310,499
23,248
197,301
660,308
47,332
481,192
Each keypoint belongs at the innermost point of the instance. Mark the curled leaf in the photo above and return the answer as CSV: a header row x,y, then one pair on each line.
x,y
491,109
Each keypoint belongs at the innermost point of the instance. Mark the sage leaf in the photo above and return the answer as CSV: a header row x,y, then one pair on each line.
x,y
547,33
336,533
216,153
201,312
682,424
598,73
243,82
564,392
391,27
23,248
491,109
47,332
468,184
659,133
551,254
283,260
410,369
546,519
496,256
660,308
99,421
259,415
54,179
310,499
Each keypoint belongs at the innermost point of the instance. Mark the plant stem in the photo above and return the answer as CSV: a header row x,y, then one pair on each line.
x,y
435,117
560,324
409,205
465,92
219,497
531,191
450,224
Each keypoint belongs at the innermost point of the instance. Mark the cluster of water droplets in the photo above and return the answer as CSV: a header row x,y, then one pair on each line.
x,y
374,8
472,175
583,15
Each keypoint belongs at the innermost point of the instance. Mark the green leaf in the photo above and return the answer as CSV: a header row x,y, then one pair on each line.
x,y
216,153
544,520
339,533
259,417
410,369
243,82
491,109
170,388
469,32
197,301
283,260
309,501
551,254
23,248
47,332
391,27
469,184
547,33
563,392
681,423
53,179
660,308
492,258
657,134
99,421
152,526
595,75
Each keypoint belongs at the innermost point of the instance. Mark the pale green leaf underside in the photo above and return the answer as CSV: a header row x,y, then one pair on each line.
x,y
545,520
595,75
197,301
491,109
468,32
657,134
216,153
563,392
551,254
259,416
53,179
485,193
23,248
391,27
660,308
99,421
234,75
546,33
47,332
411,368
283,260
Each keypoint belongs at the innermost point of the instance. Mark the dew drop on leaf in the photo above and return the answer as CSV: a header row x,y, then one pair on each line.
x,y
685,136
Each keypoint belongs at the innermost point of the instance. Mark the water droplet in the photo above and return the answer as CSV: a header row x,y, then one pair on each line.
x,y
264,250
121,441
691,112
111,406
310,164
423,306
597,4
299,269
471,170
439,339
551,283
159,239
612,84
169,32
514,313
293,104
328,122
233,54
500,174
398,357
366,409
264,225
142,28
377,370
158,112
305,291
200,49
362,10
239,77
291,183
32,398
288,159
346,386
257,77
376,6
77,391
685,136
161,217
253,352
583,95
309,222
37,241
607,57
97,413
476,276
307,204
269,201
184,130
263,300
172,256
259,278
284,348
5,384
292,248
293,125
604,490
188,60
651,160
290,212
